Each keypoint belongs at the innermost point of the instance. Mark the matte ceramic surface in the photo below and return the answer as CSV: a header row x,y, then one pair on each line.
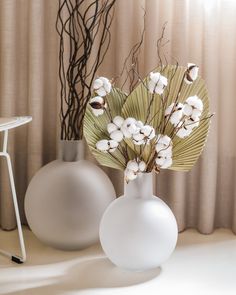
x,y
138,231
65,202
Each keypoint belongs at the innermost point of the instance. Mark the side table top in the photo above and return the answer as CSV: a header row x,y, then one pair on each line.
x,y
13,122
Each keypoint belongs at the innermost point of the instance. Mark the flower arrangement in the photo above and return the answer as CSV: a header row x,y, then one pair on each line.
x,y
162,123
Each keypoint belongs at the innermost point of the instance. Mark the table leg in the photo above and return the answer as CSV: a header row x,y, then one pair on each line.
x,y
14,258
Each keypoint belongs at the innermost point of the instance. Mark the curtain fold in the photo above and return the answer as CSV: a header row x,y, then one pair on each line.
x,y
201,31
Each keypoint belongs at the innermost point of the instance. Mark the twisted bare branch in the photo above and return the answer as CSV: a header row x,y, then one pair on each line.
x,y
84,30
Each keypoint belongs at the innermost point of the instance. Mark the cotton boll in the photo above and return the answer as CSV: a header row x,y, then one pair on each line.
x,y
129,127
138,136
174,107
182,132
164,139
132,128
157,83
179,106
102,86
139,124
187,81
101,91
118,121
128,122
152,134
111,127
163,162
166,152
159,89
148,131
112,145
187,110
194,70
117,135
167,163
196,113
161,84
159,147
163,142
133,168
142,166
96,102
198,104
194,124
133,165
193,106
102,145
155,77
98,112
98,105
160,161
136,127
145,134
176,117
194,117
97,83
163,150
164,80
126,132
106,84
191,123
151,86
195,101
176,113
114,129
169,109
191,100
191,73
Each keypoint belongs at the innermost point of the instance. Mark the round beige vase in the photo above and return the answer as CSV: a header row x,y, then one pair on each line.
x,y
66,199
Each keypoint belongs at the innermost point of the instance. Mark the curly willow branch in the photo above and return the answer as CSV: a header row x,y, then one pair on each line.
x,y
84,31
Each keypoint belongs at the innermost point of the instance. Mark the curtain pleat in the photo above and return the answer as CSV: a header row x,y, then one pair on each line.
x,y
203,32
28,86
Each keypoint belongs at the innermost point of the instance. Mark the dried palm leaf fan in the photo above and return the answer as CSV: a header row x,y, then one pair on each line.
x,y
84,30
162,123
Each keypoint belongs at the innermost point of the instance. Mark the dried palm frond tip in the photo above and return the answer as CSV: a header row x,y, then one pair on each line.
x,y
162,123
84,31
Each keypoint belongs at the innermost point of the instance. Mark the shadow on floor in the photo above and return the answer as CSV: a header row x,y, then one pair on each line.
x,y
98,273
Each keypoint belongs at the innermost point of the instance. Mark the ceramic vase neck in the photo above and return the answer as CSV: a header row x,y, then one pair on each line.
x,y
72,150
141,187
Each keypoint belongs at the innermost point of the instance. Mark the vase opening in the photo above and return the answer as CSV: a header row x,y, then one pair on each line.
x,y
141,187
72,150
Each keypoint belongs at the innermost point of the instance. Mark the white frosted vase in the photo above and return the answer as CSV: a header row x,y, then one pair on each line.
x,y
66,199
138,231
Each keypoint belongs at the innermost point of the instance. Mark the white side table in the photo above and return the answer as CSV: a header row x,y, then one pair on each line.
x,y
5,125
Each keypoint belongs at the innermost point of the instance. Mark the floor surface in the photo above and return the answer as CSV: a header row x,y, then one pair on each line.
x,y
200,265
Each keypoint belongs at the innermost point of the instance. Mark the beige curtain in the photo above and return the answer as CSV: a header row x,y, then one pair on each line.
x,y
200,31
